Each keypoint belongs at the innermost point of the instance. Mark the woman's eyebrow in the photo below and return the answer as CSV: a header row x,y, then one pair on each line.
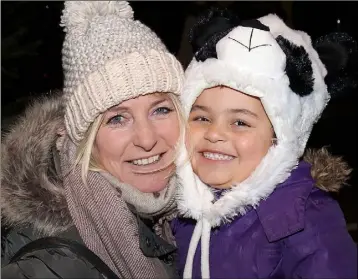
x,y
157,102
124,108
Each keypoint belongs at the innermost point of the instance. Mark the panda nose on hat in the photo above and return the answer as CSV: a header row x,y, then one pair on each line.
x,y
253,50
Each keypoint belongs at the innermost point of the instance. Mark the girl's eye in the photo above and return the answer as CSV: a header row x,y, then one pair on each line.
x,y
117,119
200,118
241,123
163,110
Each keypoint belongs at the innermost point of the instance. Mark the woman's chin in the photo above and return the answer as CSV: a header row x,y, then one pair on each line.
x,y
151,183
154,189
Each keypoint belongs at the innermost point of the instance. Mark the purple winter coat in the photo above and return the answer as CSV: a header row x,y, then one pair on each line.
x,y
299,231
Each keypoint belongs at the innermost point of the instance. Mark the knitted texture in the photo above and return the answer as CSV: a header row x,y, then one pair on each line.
x,y
104,221
108,57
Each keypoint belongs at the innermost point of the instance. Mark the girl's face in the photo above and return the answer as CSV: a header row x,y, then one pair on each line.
x,y
229,134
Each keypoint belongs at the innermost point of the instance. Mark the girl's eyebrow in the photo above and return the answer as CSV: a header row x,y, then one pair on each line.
x,y
199,107
243,111
208,109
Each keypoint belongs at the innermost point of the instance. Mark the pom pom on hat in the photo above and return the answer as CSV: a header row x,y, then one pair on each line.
x,y
78,14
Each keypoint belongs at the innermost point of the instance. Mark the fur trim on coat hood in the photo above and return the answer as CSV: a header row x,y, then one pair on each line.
x,y
329,172
31,186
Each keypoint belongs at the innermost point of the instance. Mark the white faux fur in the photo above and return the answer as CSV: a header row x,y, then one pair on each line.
x,y
291,115
195,198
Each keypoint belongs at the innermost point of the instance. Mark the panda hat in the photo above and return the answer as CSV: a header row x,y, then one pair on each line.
x,y
266,59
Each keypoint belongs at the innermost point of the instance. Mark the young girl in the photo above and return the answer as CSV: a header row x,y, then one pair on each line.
x,y
253,92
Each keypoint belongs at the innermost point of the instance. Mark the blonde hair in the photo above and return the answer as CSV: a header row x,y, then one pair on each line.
x,y
85,156
84,151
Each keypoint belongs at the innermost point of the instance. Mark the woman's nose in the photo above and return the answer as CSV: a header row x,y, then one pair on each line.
x,y
145,135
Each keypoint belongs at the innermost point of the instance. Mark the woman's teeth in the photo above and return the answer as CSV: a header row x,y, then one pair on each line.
x,y
147,161
217,156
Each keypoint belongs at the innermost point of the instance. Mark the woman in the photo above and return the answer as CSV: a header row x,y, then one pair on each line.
x,y
85,174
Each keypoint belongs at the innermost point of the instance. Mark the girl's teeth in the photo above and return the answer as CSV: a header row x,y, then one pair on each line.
x,y
217,156
147,161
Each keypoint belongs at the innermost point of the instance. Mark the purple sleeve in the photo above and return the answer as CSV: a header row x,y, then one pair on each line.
x,y
324,249
173,225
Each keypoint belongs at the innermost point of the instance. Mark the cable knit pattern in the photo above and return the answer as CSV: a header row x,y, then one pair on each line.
x,y
108,57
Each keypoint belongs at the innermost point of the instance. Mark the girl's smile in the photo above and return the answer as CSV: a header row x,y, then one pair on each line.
x,y
228,140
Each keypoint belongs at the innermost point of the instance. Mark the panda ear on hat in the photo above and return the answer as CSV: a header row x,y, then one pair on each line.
x,y
338,52
210,27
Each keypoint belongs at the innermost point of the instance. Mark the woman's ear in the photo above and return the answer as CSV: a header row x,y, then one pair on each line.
x,y
338,52
61,134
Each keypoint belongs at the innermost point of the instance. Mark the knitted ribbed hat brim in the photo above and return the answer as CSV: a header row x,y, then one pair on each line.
x,y
119,80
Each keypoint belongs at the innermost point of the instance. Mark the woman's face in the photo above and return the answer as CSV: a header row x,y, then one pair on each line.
x,y
229,134
135,142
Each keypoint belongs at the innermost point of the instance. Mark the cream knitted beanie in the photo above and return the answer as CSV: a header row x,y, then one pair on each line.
x,y
108,57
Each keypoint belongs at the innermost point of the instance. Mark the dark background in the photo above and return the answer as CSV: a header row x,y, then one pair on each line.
x,y
31,58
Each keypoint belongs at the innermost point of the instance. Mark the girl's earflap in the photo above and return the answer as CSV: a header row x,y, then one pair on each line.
x,y
209,28
338,52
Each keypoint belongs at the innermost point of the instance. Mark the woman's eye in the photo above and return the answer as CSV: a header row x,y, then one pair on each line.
x,y
118,119
163,110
